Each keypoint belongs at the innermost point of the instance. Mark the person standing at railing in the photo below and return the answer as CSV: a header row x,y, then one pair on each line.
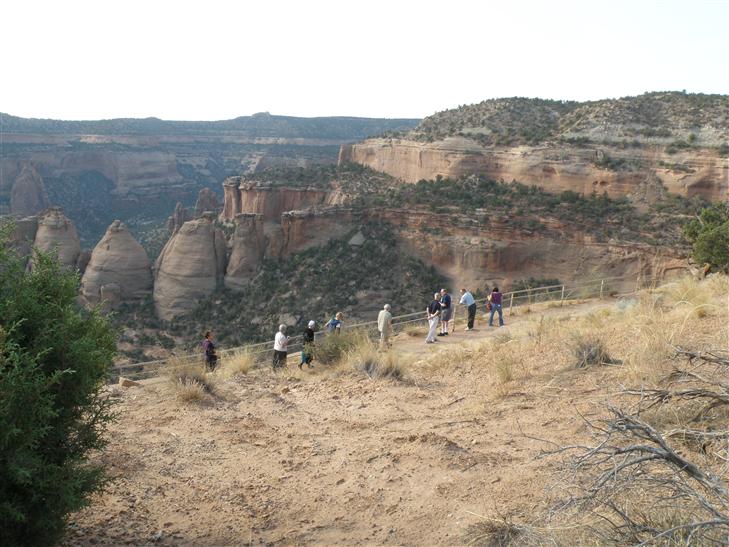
x,y
307,348
211,358
384,325
446,311
280,347
334,325
433,313
469,301
495,300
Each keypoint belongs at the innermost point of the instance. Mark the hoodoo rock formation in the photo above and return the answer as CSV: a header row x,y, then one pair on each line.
x,y
247,250
179,216
119,267
190,267
28,195
554,167
207,200
56,233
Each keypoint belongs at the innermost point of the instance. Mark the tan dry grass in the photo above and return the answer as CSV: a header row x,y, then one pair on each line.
x,y
367,358
189,382
239,362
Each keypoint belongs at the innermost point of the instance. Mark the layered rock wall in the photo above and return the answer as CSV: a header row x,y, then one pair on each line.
x,y
555,168
28,195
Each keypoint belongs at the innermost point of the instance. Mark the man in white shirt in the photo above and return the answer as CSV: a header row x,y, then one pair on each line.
x,y
280,344
470,302
384,325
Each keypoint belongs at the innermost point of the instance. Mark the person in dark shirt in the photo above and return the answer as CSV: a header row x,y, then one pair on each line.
x,y
433,313
446,312
495,301
307,350
211,358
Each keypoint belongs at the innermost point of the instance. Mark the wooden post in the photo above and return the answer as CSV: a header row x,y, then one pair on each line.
x,y
602,286
561,298
511,303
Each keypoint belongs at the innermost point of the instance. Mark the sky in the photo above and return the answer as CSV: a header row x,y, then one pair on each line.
x,y
215,59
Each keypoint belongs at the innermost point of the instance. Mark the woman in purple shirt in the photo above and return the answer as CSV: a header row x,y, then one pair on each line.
x,y
495,299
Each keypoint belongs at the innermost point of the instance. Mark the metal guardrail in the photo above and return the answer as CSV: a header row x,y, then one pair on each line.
x,y
597,288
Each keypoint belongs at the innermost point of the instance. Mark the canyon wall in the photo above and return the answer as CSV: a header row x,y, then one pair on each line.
x,y
554,167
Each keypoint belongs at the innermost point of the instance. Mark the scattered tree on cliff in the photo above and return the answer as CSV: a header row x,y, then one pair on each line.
x,y
709,235
54,360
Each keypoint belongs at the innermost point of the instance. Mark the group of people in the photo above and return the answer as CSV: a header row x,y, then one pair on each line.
x,y
439,313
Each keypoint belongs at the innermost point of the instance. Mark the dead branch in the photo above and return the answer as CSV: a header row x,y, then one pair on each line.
x,y
713,357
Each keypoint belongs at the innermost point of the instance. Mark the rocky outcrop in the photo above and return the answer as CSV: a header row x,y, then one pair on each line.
x,y
57,234
179,216
190,267
119,269
207,200
28,195
475,254
247,250
301,230
270,201
555,167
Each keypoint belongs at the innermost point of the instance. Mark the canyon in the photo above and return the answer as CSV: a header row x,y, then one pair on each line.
x,y
275,210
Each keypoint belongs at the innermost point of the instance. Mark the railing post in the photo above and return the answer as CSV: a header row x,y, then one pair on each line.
x,y
602,286
561,298
511,303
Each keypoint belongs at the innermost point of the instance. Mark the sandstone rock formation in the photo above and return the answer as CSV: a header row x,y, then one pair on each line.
x,y
190,267
119,269
248,247
28,195
56,233
178,218
23,236
554,167
207,200
270,201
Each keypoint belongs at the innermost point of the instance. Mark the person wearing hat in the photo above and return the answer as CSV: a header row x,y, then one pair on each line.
x,y
384,325
280,345
307,349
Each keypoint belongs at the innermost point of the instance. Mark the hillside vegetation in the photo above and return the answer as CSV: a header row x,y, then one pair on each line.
x,y
662,117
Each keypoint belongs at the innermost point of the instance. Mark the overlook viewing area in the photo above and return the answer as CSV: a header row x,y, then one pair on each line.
x,y
515,303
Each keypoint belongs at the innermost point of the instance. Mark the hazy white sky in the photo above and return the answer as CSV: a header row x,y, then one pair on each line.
x,y
215,59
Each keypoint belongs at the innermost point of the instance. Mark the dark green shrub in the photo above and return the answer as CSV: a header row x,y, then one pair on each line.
x,y
54,360
709,235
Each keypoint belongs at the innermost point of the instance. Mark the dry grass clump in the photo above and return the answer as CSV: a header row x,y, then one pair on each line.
x,y
365,357
238,362
415,330
331,349
189,381
589,350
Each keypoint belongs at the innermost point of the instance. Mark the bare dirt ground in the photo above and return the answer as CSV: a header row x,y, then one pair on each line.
x,y
334,457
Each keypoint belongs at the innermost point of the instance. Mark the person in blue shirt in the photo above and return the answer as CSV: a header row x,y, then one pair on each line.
x,y
469,301
334,325
446,312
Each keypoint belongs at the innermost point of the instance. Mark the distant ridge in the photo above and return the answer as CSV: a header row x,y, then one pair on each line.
x,y
258,125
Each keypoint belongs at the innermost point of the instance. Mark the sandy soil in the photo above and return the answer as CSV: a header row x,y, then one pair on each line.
x,y
337,458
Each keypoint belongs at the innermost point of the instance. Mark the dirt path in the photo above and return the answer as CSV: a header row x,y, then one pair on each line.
x,y
337,458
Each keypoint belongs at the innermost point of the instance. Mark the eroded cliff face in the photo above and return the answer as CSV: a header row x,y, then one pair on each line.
x,y
28,195
271,201
555,168
474,255
118,270
190,267
248,245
